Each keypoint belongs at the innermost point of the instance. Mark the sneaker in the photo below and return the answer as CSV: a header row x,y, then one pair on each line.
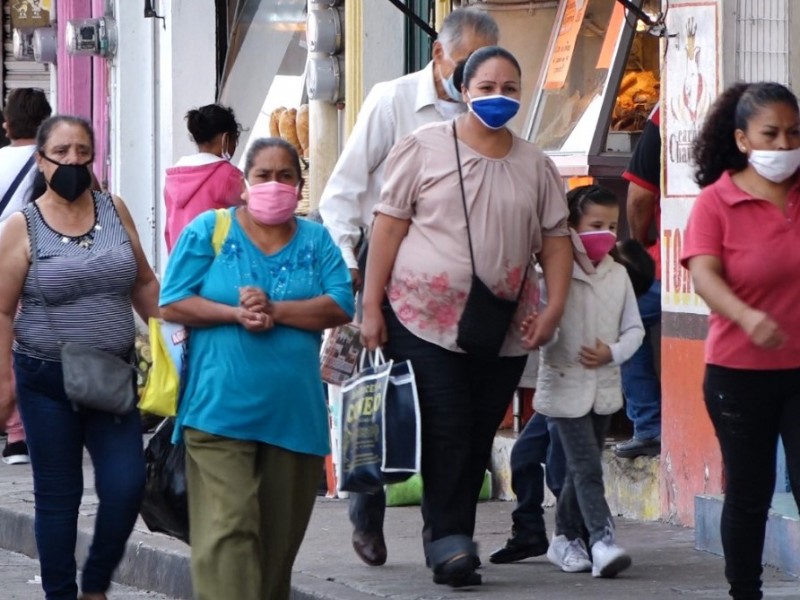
x,y
16,453
635,447
569,555
608,559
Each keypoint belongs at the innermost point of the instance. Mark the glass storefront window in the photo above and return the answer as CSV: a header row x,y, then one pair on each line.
x,y
582,51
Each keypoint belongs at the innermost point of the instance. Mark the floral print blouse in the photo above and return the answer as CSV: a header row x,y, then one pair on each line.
x,y
512,203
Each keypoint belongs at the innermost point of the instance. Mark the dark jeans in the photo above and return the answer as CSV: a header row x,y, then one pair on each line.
x,y
56,437
367,511
537,444
750,410
640,382
583,498
462,401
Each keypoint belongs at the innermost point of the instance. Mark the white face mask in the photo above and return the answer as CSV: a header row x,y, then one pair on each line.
x,y
775,165
449,110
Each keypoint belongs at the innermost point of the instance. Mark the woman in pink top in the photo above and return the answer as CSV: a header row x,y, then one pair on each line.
x,y
742,246
421,272
205,180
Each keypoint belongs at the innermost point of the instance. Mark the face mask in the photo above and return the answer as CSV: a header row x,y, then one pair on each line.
x,y
69,181
775,165
597,244
272,203
448,110
451,90
494,111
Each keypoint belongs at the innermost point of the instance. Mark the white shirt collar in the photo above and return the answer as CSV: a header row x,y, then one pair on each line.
x,y
426,89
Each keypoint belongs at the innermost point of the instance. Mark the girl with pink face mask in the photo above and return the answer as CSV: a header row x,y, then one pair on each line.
x,y
579,385
253,417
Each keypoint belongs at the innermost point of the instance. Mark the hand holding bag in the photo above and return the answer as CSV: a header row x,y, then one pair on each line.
x,y
486,319
92,378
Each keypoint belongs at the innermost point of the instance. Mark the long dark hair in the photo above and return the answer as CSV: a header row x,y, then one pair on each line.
x,y
715,149
480,56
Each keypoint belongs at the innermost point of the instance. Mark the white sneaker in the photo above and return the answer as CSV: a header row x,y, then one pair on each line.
x,y
608,559
569,556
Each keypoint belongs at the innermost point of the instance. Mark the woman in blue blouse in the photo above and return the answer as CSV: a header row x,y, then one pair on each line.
x,y
253,416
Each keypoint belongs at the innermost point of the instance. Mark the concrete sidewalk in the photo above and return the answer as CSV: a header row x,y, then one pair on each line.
x,y
665,564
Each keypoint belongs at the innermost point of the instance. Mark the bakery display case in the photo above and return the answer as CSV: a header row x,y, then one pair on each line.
x,y
599,83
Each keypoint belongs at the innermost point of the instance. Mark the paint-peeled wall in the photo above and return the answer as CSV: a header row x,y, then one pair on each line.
x,y
691,463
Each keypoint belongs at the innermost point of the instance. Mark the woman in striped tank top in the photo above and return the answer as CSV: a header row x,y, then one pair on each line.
x,y
92,272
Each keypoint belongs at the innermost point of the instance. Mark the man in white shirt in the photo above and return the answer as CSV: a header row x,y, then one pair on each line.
x,y
390,111
24,111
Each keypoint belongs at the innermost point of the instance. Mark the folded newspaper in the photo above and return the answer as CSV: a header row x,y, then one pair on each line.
x,y
339,354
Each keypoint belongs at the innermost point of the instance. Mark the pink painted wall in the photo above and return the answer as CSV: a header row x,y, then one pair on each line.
x,y
83,82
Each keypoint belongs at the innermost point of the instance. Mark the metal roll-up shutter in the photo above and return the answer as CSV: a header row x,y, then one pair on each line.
x,y
19,73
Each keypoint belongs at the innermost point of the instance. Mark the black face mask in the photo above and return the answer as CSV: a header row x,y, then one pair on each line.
x,y
69,181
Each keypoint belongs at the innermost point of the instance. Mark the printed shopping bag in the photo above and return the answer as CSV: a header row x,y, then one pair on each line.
x,y
379,426
165,506
168,342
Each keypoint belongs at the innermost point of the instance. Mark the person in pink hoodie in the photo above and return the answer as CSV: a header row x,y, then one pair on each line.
x,y
205,180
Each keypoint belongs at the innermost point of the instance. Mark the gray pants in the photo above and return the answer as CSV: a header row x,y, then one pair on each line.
x,y
583,499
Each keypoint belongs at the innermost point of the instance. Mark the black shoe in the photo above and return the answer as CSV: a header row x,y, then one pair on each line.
x,y
457,572
519,549
370,547
16,453
635,447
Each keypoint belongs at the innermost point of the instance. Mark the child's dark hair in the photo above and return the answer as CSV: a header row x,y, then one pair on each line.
x,y
640,266
579,198
207,122
715,149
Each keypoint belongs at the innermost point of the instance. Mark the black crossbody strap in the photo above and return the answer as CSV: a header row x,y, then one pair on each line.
x,y
466,217
26,168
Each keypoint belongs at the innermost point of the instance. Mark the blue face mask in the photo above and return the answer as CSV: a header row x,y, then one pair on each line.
x,y
494,111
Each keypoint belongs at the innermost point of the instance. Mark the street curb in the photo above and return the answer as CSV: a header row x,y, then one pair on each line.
x,y
147,567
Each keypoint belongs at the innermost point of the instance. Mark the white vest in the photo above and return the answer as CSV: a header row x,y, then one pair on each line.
x,y
593,311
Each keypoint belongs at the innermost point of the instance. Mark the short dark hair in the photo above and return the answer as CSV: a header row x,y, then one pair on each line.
x,y
272,142
579,198
480,56
207,122
46,128
715,150
25,110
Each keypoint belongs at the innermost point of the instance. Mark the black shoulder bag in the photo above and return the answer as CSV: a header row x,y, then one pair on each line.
x,y
486,318
92,378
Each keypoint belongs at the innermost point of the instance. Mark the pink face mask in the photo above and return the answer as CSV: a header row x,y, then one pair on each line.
x,y
597,244
272,203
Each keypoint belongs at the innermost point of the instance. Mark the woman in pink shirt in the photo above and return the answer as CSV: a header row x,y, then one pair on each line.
x,y
742,247
464,206
207,179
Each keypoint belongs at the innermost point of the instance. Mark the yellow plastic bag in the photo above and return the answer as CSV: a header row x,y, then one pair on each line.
x,y
168,345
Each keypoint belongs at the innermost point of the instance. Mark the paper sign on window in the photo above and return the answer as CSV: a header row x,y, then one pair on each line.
x,y
561,56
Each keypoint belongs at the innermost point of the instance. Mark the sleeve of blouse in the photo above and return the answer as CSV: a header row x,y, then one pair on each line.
x,y
402,179
190,260
704,230
552,207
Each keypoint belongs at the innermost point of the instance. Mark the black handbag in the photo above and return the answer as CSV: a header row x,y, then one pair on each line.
x,y
92,378
486,319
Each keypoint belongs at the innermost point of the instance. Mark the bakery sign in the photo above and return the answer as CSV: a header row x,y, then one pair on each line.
x,y
29,14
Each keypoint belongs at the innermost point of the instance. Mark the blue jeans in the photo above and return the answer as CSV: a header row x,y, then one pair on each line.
x,y
56,437
640,382
538,443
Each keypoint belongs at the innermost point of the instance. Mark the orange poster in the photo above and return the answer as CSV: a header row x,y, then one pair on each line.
x,y
561,56
612,36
